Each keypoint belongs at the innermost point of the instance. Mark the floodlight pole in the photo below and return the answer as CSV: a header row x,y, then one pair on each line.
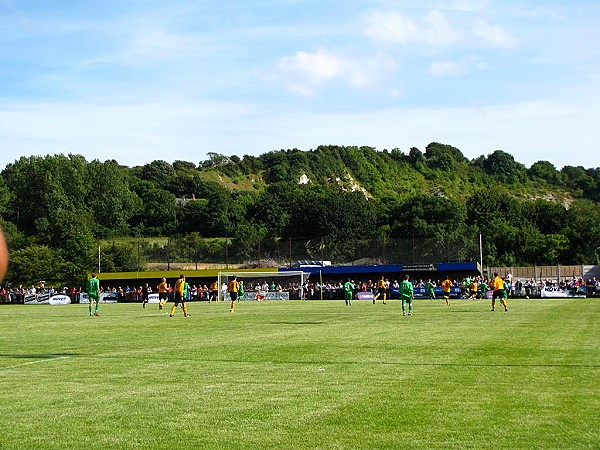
x,y
321,281
481,252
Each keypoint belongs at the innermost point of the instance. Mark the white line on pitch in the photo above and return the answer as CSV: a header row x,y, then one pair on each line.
x,y
33,362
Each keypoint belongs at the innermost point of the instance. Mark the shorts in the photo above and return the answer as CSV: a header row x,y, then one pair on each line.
x,y
178,298
94,296
233,296
162,295
498,294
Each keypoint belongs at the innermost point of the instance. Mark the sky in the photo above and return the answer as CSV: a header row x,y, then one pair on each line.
x,y
144,80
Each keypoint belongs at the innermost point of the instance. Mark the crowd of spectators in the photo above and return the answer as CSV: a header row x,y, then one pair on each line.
x,y
332,289
515,287
16,294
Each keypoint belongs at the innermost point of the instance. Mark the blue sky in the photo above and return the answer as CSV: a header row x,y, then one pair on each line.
x,y
143,80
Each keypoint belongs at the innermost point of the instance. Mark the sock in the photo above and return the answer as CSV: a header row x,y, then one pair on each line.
x,y
185,311
90,308
232,307
403,305
173,308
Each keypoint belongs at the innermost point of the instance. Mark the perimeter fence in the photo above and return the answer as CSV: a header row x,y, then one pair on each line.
x,y
285,251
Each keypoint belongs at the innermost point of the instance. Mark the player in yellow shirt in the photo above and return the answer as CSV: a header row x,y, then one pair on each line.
x,y
473,289
233,288
214,292
163,293
179,296
446,287
381,290
498,285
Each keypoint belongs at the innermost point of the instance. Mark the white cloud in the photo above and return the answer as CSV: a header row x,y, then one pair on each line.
x,y
305,73
466,65
395,28
493,35
434,29
390,26
468,5
437,30
446,68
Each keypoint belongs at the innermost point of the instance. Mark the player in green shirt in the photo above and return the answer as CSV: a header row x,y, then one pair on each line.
x,y
93,290
430,289
483,288
186,291
348,292
240,291
406,294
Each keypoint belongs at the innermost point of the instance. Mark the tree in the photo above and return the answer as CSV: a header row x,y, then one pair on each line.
x,y
122,257
278,167
41,187
34,263
583,232
272,208
158,211
426,214
539,248
322,211
110,200
548,217
578,178
544,170
214,160
215,214
415,157
183,166
503,167
160,172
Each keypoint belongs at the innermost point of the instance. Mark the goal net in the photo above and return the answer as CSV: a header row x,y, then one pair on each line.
x,y
265,285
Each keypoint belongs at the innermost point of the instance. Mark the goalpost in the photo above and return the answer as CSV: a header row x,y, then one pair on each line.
x,y
286,285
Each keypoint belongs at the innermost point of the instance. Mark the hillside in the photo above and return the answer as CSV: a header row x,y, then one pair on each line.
x,y
333,202
442,170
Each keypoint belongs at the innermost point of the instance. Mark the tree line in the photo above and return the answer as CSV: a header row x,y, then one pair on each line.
x,y
56,209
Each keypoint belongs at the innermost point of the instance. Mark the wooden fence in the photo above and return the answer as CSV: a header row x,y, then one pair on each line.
x,y
536,273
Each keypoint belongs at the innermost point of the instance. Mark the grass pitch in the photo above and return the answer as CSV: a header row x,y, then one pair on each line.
x,y
302,375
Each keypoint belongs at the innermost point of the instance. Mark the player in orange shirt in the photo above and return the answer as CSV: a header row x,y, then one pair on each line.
x,y
446,287
498,285
233,288
162,293
179,297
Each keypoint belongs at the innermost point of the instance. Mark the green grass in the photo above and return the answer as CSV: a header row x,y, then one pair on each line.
x,y
302,375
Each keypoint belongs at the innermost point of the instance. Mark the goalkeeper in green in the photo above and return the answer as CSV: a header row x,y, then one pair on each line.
x,y
93,290
348,292
407,295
